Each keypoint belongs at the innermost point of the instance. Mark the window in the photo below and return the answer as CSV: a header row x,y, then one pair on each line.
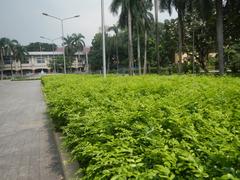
x,y
7,59
25,60
40,60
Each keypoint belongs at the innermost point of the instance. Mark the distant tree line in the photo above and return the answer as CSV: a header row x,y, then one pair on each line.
x,y
144,45
39,46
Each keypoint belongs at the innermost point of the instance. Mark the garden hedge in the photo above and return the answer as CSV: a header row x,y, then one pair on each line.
x,y
148,127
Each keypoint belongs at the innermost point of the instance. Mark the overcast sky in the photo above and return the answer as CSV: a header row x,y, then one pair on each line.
x,y
23,19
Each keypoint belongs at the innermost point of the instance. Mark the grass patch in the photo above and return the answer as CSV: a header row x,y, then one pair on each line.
x,y
25,78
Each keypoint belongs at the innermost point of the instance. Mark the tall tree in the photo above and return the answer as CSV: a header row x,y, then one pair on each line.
x,y
5,50
69,44
78,43
127,8
147,23
11,46
2,45
143,20
220,40
20,55
204,7
69,50
138,27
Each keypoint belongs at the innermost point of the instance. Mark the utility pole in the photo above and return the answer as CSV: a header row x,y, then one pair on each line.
x,y
64,56
103,40
41,54
156,4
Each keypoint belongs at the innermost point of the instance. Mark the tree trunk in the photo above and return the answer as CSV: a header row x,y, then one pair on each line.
x,y
78,62
130,42
180,39
193,52
149,68
145,52
108,63
157,35
11,68
202,59
87,66
21,68
220,40
139,53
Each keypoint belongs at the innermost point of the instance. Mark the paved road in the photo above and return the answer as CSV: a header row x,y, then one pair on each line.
x,y
27,146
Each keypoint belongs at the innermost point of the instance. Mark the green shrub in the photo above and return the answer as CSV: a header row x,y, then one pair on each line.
x,y
233,57
149,127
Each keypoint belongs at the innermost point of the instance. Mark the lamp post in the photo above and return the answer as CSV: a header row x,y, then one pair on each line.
x,y
62,20
52,41
103,39
41,56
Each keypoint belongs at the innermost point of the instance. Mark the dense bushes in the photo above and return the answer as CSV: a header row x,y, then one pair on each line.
x,y
149,127
233,57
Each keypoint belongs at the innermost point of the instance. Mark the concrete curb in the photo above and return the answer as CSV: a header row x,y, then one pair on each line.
x,y
69,168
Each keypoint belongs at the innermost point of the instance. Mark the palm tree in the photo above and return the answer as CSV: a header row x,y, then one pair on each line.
x,y
1,54
20,54
5,49
78,42
138,28
69,48
69,44
12,44
147,22
139,52
127,8
142,17
114,28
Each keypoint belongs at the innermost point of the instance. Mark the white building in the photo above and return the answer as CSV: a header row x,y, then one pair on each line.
x,y
36,62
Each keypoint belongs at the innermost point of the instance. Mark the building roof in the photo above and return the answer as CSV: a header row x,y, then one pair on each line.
x,y
59,51
44,53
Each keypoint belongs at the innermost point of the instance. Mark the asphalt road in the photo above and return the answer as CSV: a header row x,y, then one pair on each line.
x,y
27,147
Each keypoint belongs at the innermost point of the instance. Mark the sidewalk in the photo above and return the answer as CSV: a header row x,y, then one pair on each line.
x,y
27,146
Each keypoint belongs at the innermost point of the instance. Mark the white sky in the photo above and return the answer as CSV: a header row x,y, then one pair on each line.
x,y
23,19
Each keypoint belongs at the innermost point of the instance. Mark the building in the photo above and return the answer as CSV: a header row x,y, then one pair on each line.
x,y
38,62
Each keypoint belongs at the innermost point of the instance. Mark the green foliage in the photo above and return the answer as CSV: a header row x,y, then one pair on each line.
x,y
168,42
95,56
233,56
59,63
38,46
149,127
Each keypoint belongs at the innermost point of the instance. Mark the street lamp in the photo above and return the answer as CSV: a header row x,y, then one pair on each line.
x,y
103,39
52,41
61,20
